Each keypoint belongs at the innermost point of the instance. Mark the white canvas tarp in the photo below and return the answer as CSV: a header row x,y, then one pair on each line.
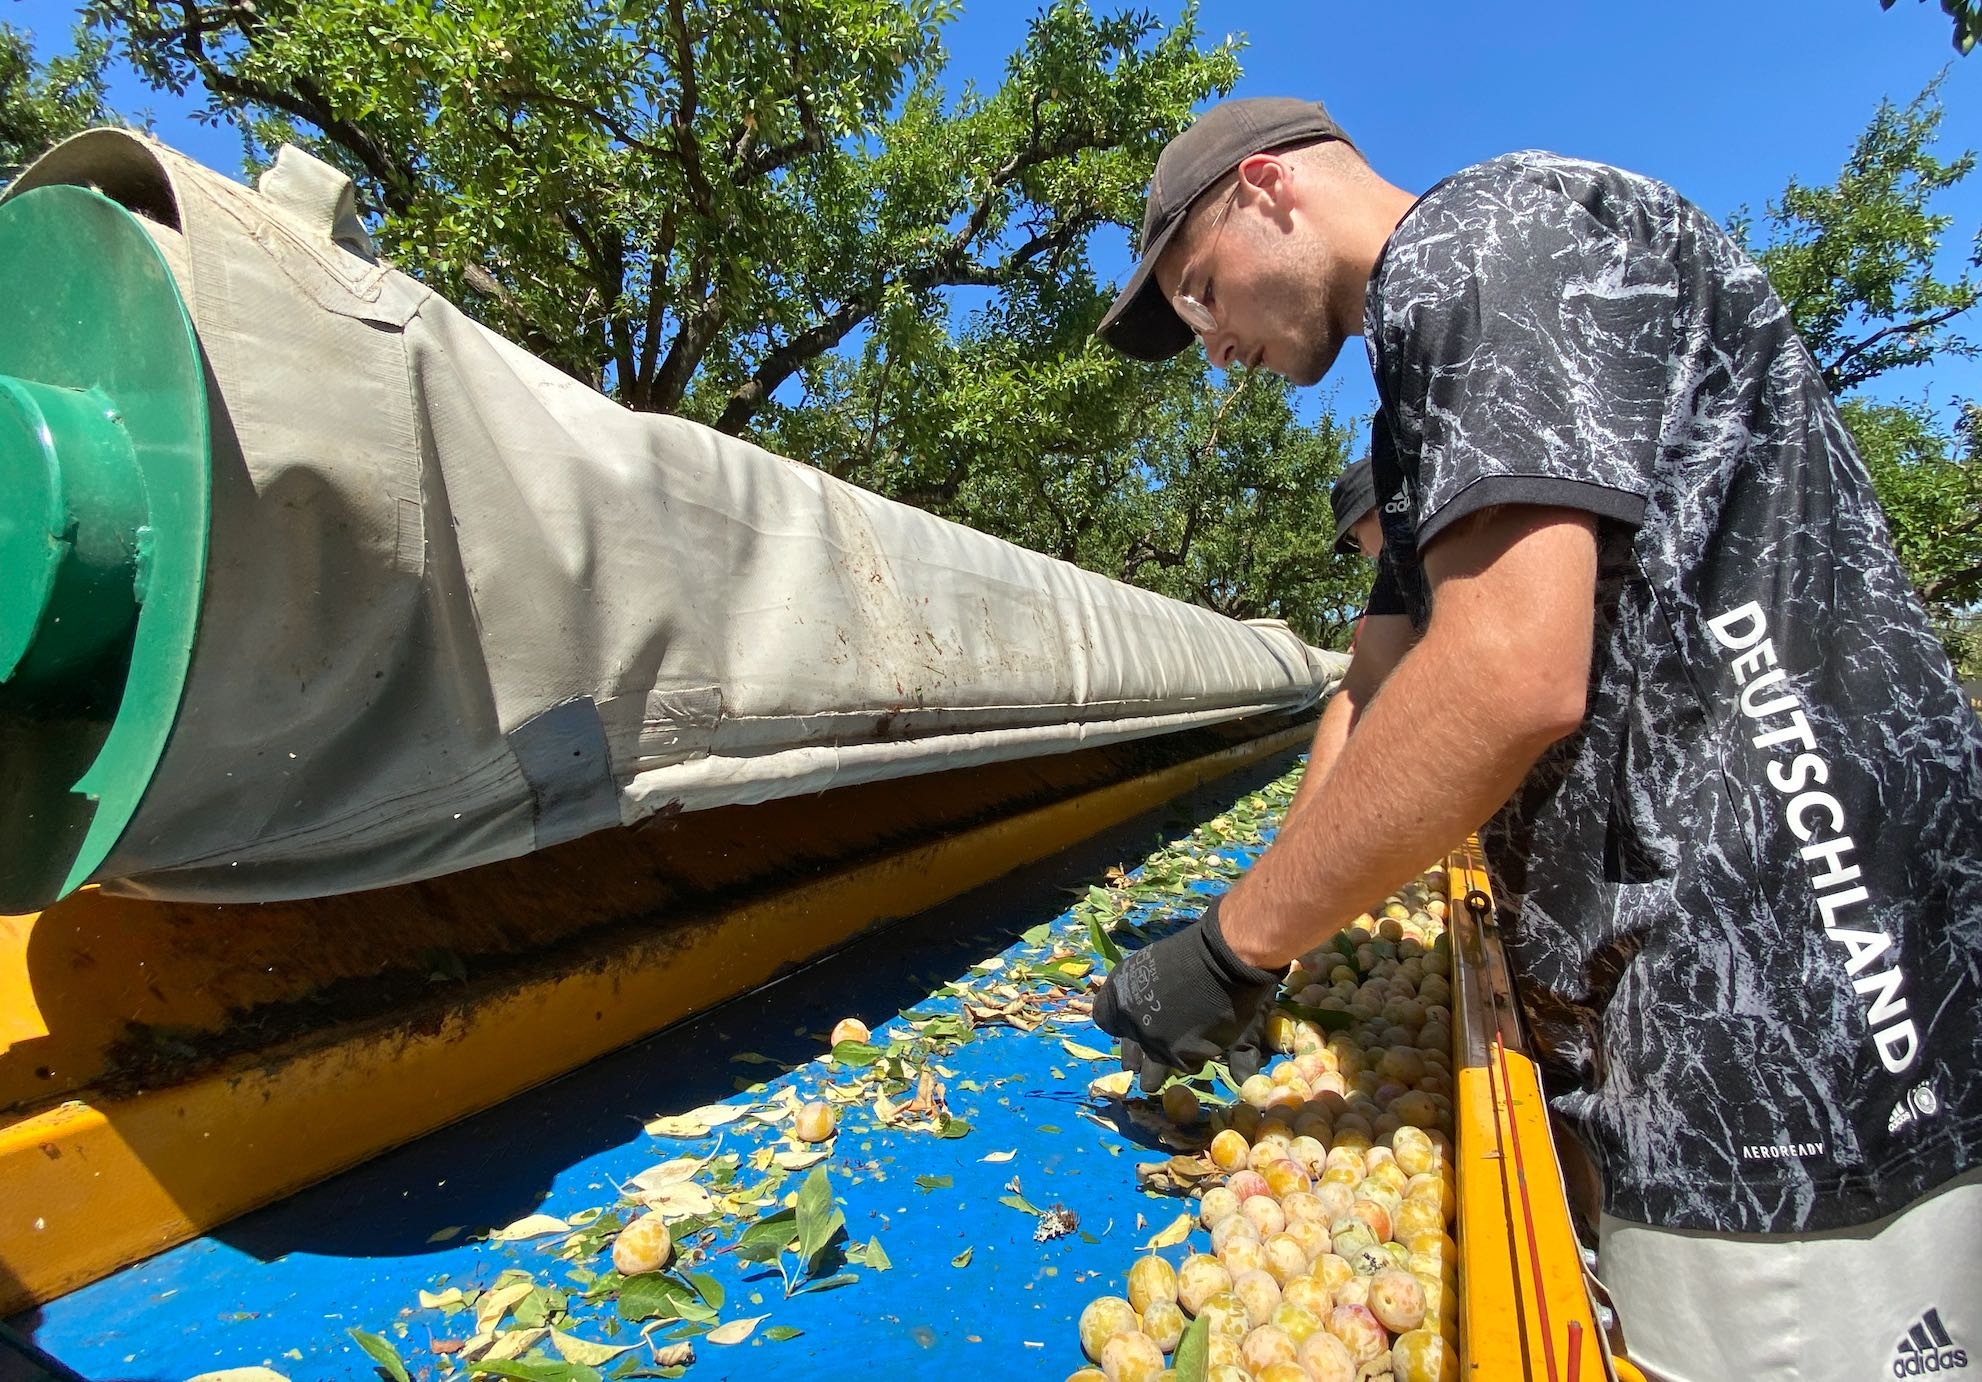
x,y
460,606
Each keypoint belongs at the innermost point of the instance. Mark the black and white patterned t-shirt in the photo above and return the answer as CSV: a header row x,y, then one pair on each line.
x,y
1745,899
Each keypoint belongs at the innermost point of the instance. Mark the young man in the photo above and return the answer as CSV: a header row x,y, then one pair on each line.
x,y
1641,611
1358,532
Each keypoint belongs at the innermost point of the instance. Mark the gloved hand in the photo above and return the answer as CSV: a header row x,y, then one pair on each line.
x,y
1185,1000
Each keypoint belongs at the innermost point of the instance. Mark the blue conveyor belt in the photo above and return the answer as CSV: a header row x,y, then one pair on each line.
x,y
280,1288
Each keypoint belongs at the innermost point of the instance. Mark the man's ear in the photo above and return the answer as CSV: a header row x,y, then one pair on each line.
x,y
1268,176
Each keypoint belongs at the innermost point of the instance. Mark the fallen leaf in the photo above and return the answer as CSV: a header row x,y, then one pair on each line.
x,y
382,1353
530,1226
1178,1230
1080,1052
928,1095
668,1172
736,1331
680,1201
962,1259
1000,1157
430,1300
515,1344
573,1349
697,1122
799,1161
1180,1175
494,1304
857,1055
1114,1085
1192,1359
441,1235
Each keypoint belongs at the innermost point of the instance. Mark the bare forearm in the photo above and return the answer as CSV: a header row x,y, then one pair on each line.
x,y
1329,737
1451,734
1423,769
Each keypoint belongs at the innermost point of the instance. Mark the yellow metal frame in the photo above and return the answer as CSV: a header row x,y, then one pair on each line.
x,y
1522,1290
102,1181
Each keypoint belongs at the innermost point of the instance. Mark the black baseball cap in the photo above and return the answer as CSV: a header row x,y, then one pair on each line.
x,y
1353,497
1140,322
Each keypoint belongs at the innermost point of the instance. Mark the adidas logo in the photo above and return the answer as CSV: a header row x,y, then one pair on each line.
x,y
1920,1102
1926,1349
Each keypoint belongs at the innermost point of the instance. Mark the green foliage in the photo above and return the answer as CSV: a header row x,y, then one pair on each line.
x,y
687,201
1856,264
1967,17
41,104
1930,484
1855,261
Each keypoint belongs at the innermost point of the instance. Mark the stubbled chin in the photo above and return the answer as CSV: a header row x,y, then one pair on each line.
x,y
1316,364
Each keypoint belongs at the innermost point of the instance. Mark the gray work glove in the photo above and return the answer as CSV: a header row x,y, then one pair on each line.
x,y
1185,1000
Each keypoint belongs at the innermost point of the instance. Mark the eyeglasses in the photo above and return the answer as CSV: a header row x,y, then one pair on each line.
x,y
1189,310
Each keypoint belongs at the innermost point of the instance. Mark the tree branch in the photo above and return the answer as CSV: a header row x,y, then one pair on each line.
x,y
1837,379
305,103
682,118
659,255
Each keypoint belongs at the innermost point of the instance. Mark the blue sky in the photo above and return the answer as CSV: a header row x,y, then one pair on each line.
x,y
1727,100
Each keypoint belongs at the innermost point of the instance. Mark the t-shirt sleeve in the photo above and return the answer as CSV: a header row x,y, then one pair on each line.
x,y
1526,345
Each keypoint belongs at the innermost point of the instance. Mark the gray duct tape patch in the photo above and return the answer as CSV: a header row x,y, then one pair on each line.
x,y
563,756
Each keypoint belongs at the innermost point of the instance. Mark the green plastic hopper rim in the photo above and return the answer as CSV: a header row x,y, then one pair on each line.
x,y
88,304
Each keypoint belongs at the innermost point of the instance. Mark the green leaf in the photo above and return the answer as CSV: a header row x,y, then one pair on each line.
x,y
778,1333
877,1258
707,1287
831,1283
1328,1018
382,1353
1068,971
1103,943
857,1054
953,1128
1039,934
815,1203
1021,1204
645,1298
927,1183
658,1296
535,1369
775,1231
540,1306
1192,1357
